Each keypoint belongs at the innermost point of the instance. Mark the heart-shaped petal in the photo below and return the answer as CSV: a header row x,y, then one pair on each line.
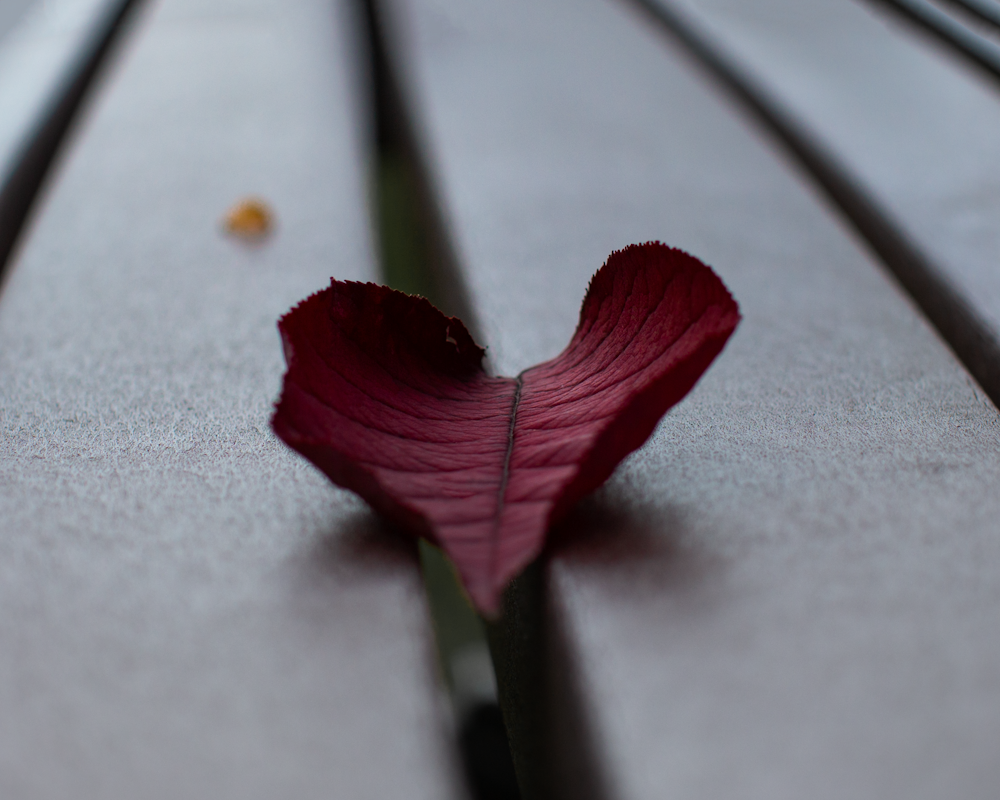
x,y
388,397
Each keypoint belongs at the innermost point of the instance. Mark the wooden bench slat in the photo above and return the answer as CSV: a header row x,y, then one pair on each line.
x,y
47,63
791,590
191,610
913,123
36,58
11,15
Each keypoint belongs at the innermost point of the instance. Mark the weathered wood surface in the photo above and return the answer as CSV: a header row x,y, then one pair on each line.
x,y
909,118
791,591
189,609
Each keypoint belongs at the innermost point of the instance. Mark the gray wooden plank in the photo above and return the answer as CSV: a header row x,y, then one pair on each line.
x,y
954,32
11,13
914,125
190,610
35,62
47,63
790,591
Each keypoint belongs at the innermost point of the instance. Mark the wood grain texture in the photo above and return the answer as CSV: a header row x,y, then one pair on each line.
x,y
190,609
790,591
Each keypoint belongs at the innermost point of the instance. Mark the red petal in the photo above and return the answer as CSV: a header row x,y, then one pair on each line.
x,y
388,397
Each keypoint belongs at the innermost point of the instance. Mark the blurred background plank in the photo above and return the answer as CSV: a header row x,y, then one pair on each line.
x,y
910,123
50,54
11,13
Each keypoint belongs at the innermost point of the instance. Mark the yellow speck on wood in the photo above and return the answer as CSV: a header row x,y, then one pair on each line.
x,y
250,218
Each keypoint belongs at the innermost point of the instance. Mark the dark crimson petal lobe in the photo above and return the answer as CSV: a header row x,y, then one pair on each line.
x,y
388,397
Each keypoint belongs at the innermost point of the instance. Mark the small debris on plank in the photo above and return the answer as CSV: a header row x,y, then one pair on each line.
x,y
251,219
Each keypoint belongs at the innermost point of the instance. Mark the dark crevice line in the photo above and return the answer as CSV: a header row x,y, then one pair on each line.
x,y
976,52
985,16
552,739
518,641
416,251
43,144
970,337
417,257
